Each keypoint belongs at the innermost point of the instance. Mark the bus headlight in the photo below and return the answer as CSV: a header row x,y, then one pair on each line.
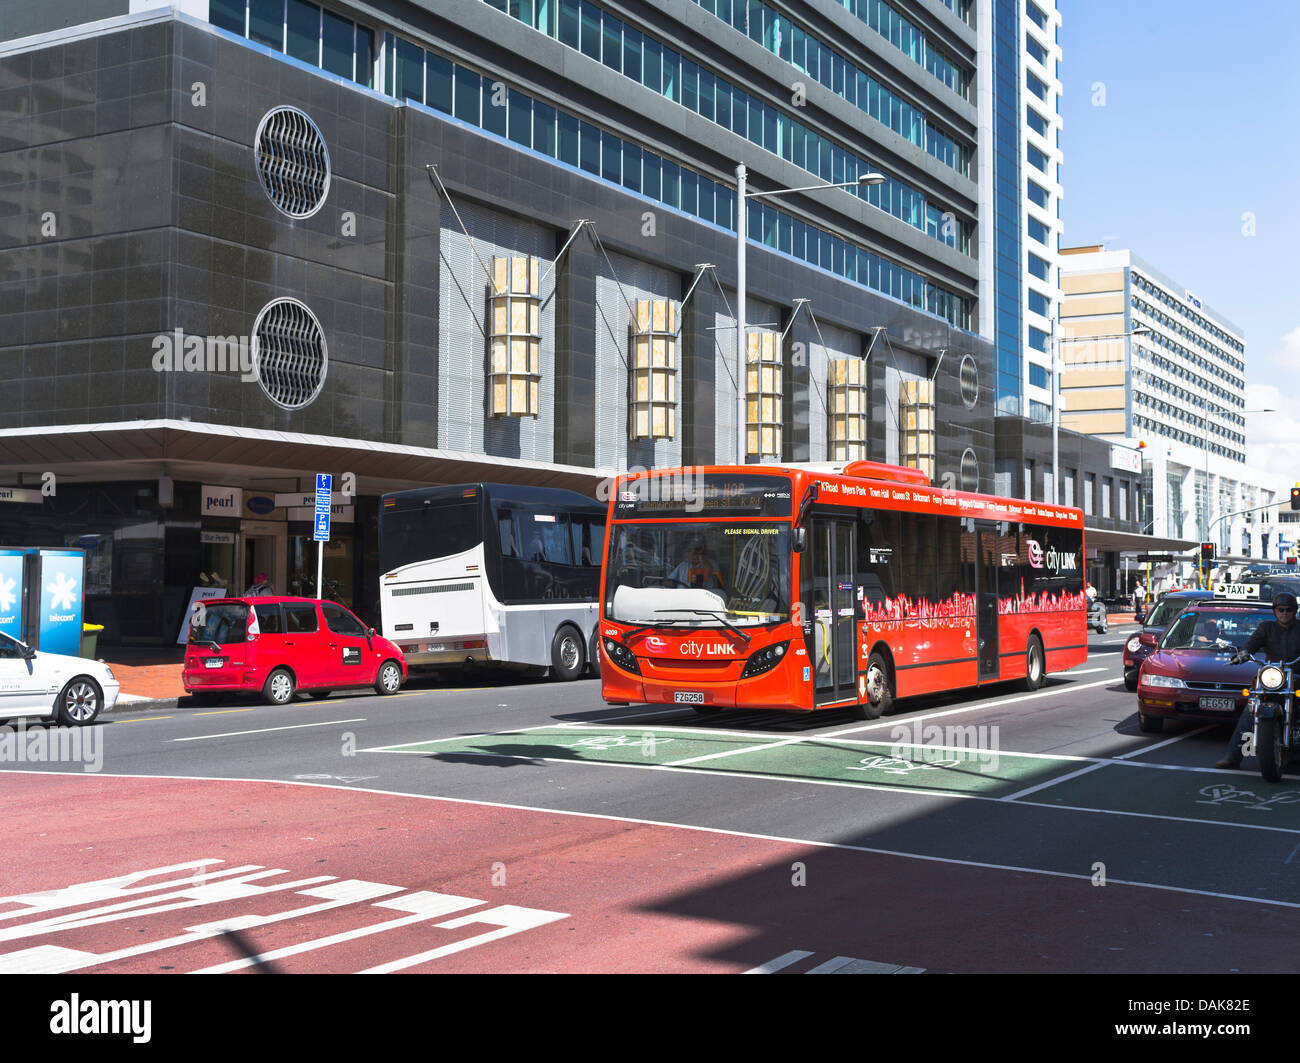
x,y
765,659
621,656
1271,678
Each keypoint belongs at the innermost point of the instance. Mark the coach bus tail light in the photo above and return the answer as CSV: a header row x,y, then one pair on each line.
x,y
765,660
621,656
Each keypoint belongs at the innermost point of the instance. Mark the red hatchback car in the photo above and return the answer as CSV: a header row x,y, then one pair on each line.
x,y
282,645
1189,675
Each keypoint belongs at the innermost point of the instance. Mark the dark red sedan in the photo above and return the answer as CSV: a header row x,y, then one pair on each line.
x,y
1188,676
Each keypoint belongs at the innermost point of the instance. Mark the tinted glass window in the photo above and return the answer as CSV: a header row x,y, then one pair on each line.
x,y
270,621
222,624
341,622
300,618
879,560
422,533
9,648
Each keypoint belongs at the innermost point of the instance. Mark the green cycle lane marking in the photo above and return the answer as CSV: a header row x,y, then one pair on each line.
x,y
984,773
1086,784
1221,797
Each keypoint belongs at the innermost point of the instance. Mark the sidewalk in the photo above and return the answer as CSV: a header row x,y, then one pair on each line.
x,y
147,672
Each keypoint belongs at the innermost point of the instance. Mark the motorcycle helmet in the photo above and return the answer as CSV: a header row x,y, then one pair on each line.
x,y
1286,600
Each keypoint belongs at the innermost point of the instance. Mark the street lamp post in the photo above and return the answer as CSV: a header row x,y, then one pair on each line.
x,y
742,194
1057,340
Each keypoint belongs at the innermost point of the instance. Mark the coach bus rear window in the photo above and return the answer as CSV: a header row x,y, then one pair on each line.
x,y
425,532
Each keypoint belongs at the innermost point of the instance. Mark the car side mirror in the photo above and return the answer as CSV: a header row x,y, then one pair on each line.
x,y
29,654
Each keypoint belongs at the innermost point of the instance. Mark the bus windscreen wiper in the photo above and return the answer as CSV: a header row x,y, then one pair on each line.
x,y
717,615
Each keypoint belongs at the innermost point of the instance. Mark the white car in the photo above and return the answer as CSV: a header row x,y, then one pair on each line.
x,y
34,683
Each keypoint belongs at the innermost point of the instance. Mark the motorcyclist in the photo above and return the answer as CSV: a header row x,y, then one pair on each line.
x,y
1281,638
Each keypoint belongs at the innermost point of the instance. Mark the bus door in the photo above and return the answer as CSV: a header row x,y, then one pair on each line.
x,y
986,609
828,599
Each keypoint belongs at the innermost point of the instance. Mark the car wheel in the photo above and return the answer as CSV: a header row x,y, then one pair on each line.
x,y
1150,724
279,687
568,655
1130,681
79,702
1102,628
1035,664
388,680
879,690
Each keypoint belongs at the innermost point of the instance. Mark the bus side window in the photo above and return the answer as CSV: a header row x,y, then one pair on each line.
x,y
878,557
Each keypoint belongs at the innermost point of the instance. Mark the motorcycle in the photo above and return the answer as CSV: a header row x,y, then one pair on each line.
x,y
1272,701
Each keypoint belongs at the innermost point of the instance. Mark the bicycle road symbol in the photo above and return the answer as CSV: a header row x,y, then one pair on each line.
x,y
1226,794
900,765
603,742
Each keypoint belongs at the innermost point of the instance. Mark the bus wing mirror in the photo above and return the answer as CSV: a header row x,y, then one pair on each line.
x,y
800,541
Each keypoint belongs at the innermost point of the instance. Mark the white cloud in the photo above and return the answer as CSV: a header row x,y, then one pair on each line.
x,y
1273,439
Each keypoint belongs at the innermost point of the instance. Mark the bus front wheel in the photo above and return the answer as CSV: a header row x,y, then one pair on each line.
x,y
568,654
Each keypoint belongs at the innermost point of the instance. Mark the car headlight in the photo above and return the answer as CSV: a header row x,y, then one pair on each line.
x,y
1271,678
1170,681
1132,644
108,673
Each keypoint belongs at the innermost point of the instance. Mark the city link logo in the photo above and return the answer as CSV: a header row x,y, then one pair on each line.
x,y
20,744
176,352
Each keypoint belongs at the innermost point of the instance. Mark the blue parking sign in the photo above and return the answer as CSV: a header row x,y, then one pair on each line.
x,y
323,483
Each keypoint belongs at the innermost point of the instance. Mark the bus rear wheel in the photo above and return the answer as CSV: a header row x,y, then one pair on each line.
x,y
568,654
879,689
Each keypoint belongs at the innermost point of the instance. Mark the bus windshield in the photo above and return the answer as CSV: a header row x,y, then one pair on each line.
x,y
705,574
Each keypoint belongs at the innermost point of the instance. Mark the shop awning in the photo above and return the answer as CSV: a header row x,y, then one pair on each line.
x,y
1132,542
225,454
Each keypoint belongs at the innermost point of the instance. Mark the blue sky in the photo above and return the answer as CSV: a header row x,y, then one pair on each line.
x,y
1181,133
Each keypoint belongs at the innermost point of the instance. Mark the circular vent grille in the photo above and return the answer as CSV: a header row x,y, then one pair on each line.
x,y
970,382
292,162
289,353
970,471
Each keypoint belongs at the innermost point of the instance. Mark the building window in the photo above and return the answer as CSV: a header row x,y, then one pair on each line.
x,y
1028,491
846,388
1069,488
1089,491
652,374
916,437
763,394
515,340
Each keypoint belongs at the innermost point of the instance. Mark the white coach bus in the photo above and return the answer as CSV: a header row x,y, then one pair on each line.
x,y
492,574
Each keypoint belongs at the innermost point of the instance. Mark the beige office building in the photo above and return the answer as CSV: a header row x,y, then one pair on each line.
x,y
1148,364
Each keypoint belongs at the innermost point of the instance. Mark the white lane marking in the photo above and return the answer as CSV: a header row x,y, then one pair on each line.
x,y
777,964
1167,741
909,719
338,895
720,831
424,905
1053,782
508,918
615,719
267,730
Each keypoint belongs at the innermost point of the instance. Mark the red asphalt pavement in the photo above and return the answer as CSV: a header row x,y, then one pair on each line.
x,y
631,897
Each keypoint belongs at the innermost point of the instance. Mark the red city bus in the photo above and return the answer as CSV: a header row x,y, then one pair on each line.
x,y
770,587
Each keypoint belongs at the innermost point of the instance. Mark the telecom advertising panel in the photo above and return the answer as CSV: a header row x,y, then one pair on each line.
x,y
62,577
11,592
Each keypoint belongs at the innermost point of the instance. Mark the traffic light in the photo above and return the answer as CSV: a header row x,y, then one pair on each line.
x,y
1207,555
1295,498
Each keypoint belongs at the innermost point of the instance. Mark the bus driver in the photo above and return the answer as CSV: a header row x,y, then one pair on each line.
x,y
697,570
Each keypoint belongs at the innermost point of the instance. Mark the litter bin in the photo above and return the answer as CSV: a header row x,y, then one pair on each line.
x,y
90,639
